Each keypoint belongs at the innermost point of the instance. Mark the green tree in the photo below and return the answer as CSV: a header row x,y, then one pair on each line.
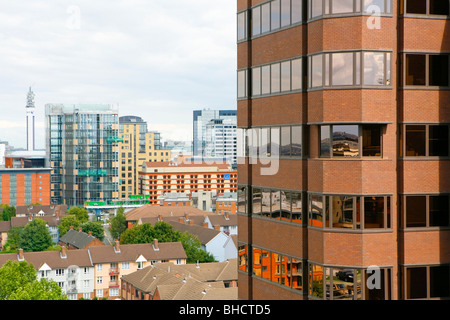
x,y
193,248
14,275
36,236
39,290
164,232
79,212
15,239
18,281
7,213
118,224
95,227
66,223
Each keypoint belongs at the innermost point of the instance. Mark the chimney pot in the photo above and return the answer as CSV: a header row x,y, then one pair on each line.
x,y
79,229
71,227
90,233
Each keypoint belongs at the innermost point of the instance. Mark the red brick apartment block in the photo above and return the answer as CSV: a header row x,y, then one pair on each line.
x,y
348,103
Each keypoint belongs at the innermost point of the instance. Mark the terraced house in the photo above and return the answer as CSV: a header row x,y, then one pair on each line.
x,y
95,272
344,113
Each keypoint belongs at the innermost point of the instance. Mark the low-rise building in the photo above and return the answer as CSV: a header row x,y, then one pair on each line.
x,y
167,281
95,272
79,240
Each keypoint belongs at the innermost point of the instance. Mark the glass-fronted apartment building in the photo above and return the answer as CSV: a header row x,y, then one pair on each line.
x,y
343,173
82,150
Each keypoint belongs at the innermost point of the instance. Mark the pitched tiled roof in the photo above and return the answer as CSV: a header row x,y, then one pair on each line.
x,y
53,259
23,221
77,239
5,226
187,281
47,209
222,220
131,252
205,235
165,211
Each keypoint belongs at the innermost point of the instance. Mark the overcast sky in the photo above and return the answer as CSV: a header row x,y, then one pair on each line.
x,y
156,59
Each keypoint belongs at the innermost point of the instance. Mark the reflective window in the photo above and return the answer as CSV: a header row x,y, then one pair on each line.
x,y
256,19
275,74
285,141
342,6
342,70
242,200
276,204
265,80
265,203
296,143
286,76
242,26
316,210
274,141
256,201
316,8
285,13
296,74
296,209
271,79
325,141
374,71
285,205
265,18
342,213
275,14
376,6
242,83
243,257
316,71
316,284
296,6
256,81
345,141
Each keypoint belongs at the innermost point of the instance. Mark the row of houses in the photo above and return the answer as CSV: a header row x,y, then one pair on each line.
x,y
95,272
169,281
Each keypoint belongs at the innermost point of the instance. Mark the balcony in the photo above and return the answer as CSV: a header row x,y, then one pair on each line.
x,y
114,271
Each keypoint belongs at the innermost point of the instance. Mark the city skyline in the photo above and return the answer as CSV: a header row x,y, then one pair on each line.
x,y
117,54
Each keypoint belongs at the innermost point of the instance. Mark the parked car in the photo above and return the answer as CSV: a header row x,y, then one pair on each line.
x,y
346,275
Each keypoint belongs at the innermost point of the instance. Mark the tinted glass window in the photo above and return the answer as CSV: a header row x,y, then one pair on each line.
x,y
415,69
415,140
342,6
256,19
286,76
416,209
345,141
275,14
438,70
438,140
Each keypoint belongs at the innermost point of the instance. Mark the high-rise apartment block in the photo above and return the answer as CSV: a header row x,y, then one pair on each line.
x,y
344,114
214,135
83,152
137,146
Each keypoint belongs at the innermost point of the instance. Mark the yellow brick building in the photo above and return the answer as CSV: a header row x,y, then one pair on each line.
x,y
136,147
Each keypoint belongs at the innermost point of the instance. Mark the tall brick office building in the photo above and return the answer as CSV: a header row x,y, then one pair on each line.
x,y
344,172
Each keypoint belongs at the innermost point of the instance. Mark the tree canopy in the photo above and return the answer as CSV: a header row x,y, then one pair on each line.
x,y
118,223
164,232
35,236
18,281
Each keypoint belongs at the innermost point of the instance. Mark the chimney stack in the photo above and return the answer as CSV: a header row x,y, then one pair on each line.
x,y
80,229
205,224
117,246
71,228
20,255
63,252
90,233
155,245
